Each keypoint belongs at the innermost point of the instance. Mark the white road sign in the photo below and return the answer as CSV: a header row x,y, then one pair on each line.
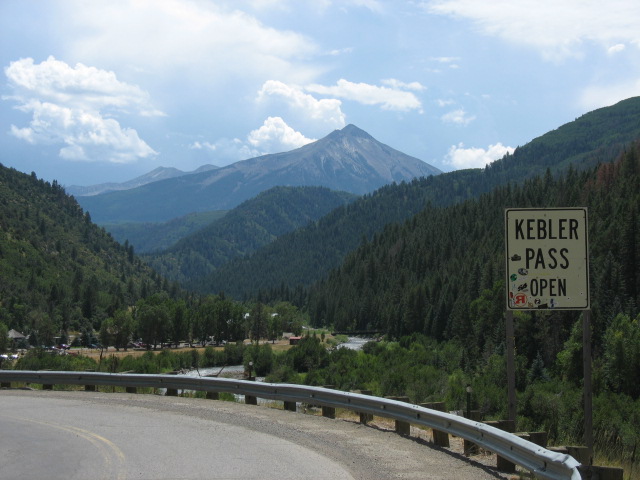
x,y
547,258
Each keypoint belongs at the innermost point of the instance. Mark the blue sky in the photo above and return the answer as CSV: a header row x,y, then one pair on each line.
x,y
105,90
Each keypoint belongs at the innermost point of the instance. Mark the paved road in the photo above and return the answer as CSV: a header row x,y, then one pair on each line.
x,y
84,435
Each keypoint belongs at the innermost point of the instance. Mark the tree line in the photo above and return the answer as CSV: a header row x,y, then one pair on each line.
x,y
159,320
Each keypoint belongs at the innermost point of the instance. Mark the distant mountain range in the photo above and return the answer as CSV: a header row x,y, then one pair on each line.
x,y
160,173
307,255
348,160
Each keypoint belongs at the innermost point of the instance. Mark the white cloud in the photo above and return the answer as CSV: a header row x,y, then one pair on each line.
x,y
276,136
195,39
444,103
327,110
231,150
373,5
558,29
459,157
458,117
445,59
451,62
79,87
387,98
25,134
273,136
397,84
616,49
340,51
203,146
69,106
267,4
597,96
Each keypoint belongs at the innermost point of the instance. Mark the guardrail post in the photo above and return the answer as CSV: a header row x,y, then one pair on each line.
x,y
47,386
213,396
591,472
402,427
5,385
172,392
250,399
441,439
329,412
594,472
290,406
131,389
503,464
365,417
471,448
539,438
89,388
580,453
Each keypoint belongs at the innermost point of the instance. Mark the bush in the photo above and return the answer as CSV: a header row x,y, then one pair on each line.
x,y
622,355
262,358
145,363
555,407
234,353
284,374
40,359
616,425
307,355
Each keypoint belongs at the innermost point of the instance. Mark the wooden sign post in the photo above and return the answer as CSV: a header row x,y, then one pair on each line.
x,y
547,268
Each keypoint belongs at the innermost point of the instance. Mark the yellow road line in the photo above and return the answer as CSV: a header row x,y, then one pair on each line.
x,y
113,457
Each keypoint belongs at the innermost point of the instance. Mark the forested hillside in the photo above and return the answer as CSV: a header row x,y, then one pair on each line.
x,y
436,283
244,229
154,237
441,272
299,259
304,255
59,271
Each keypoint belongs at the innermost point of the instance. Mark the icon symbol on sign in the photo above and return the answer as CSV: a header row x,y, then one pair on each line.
x,y
520,300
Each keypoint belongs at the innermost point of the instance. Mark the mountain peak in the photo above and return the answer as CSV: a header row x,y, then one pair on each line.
x,y
350,131
350,160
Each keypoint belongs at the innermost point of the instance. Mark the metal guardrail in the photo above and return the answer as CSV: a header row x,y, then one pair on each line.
x,y
542,462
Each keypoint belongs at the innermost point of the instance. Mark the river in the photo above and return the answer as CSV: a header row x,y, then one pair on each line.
x,y
236,371
355,343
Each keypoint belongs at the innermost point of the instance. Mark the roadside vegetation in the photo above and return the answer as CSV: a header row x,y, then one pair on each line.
x,y
425,370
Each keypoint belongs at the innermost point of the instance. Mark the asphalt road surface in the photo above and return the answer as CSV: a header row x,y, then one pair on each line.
x,y
86,435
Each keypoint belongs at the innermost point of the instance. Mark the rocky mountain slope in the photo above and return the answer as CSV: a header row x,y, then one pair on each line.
x,y
346,160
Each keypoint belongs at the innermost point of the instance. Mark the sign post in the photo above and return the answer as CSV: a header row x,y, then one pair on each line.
x,y
512,407
547,268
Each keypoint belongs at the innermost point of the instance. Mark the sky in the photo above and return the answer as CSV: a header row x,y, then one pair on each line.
x,y
95,91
